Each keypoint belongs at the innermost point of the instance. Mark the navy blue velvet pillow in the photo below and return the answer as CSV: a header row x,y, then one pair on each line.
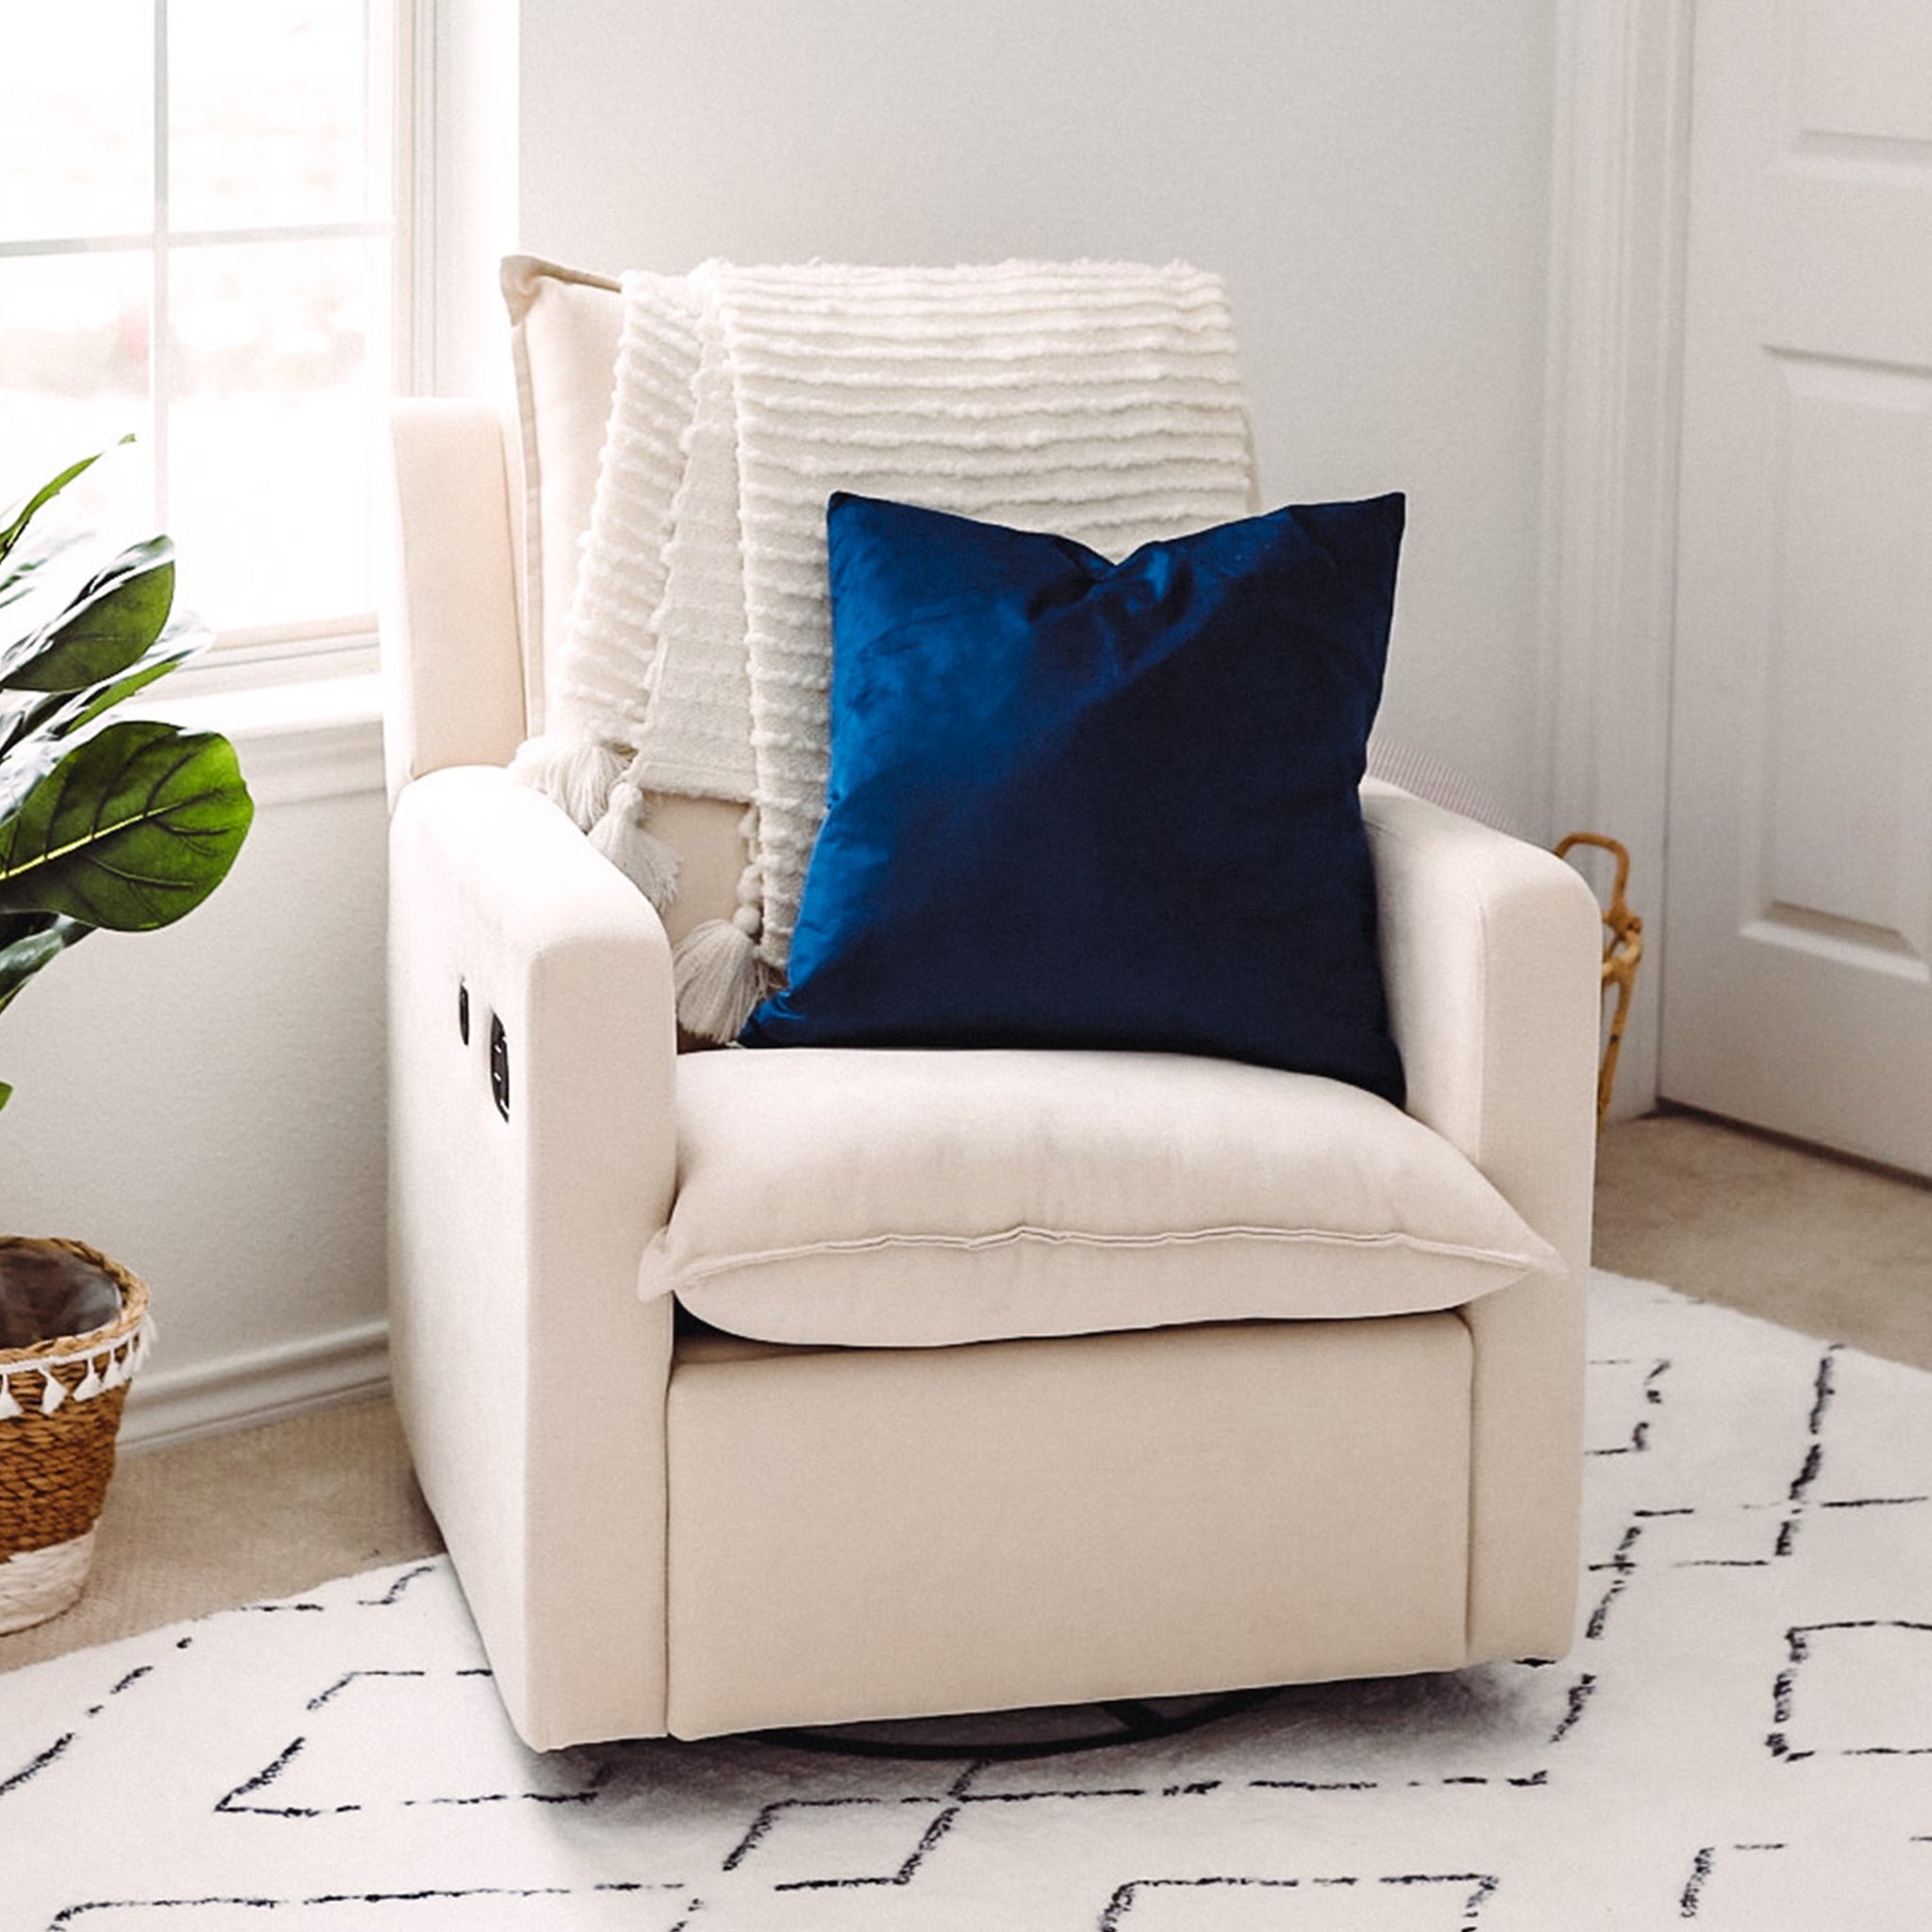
x,y
1076,803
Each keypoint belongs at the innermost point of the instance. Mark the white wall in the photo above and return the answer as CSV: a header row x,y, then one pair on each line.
x,y
207,1102
467,115
1371,177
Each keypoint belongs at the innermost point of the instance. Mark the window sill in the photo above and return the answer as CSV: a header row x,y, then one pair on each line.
x,y
248,667
299,738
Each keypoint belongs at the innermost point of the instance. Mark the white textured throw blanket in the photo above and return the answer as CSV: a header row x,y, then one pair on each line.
x,y
1097,400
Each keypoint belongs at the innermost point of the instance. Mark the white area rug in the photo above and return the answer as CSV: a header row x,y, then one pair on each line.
x,y
1741,1739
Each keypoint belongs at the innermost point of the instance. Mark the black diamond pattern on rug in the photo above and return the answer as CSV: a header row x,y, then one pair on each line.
x,y
1741,1739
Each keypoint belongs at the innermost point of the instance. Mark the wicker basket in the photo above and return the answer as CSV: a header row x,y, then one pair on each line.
x,y
60,1404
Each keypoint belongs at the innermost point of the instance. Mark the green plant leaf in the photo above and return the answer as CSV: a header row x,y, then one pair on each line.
x,y
61,714
23,955
23,766
132,829
20,574
46,493
28,942
114,618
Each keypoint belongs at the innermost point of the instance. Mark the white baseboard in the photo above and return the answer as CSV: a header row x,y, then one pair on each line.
x,y
176,1405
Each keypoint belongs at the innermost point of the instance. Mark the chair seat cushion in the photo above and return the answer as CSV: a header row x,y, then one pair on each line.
x,y
910,1198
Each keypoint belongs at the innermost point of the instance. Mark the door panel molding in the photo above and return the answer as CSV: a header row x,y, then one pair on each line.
x,y
1827,934
1845,689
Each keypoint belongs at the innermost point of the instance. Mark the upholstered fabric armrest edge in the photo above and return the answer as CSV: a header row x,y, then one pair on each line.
x,y
550,942
529,1374
1491,956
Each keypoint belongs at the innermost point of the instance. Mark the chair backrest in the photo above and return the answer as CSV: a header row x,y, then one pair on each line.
x,y
564,330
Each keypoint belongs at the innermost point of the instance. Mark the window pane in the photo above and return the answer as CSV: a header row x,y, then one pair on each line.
x,y
277,381
77,119
273,357
269,118
74,375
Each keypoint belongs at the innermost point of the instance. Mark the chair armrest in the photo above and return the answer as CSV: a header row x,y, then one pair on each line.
x,y
451,646
1491,956
529,1374
1492,961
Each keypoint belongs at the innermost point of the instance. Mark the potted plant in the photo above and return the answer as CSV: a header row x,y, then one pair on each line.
x,y
105,823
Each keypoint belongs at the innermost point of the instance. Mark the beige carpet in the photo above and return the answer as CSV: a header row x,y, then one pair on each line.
x,y
1830,1247
1821,1246
229,1520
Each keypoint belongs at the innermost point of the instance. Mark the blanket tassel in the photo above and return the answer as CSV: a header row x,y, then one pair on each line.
x,y
716,967
575,773
719,980
622,836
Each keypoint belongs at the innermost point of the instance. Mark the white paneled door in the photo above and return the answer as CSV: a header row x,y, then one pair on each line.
x,y
1797,971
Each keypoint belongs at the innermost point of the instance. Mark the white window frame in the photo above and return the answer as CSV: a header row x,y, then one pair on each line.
x,y
341,643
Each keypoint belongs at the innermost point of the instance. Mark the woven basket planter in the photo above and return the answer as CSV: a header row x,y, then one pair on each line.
x,y
60,1404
